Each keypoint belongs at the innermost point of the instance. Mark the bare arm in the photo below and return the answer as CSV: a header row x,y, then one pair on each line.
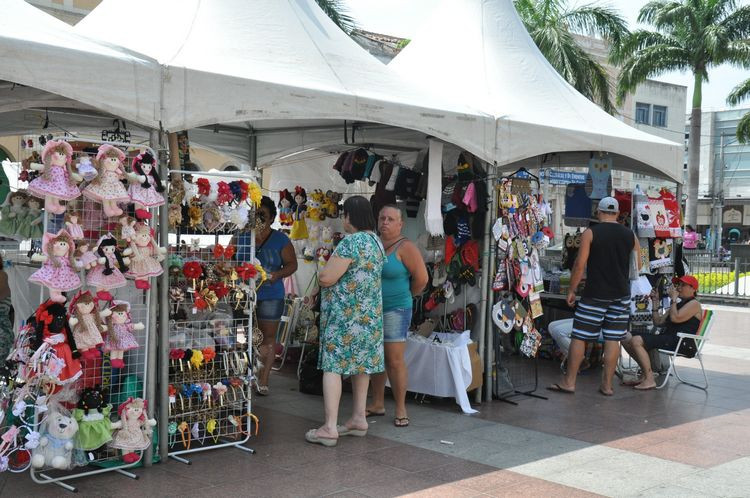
x,y
685,313
410,256
333,271
288,263
580,265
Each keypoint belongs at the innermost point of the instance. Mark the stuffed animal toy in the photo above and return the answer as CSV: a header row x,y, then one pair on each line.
x,y
308,254
107,187
133,429
286,216
148,193
13,213
56,443
86,323
314,206
92,415
57,181
108,272
32,225
314,233
120,336
58,269
145,257
332,204
323,254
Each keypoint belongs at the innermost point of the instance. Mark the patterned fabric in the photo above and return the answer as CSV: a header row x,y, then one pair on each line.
x,y
609,317
352,310
109,188
6,329
56,183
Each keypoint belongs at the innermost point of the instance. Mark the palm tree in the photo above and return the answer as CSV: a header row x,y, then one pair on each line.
x,y
336,10
690,35
552,24
740,93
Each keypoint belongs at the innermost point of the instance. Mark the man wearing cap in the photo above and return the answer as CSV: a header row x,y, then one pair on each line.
x,y
604,307
684,315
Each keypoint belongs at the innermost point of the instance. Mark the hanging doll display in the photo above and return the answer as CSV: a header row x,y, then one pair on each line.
x,y
286,216
107,187
52,332
13,214
92,415
120,336
133,429
145,258
147,192
32,226
72,226
299,226
58,265
86,323
57,181
110,265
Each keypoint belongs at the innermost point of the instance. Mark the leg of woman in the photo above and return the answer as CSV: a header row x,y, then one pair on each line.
x,y
640,354
627,345
397,374
267,349
377,406
331,398
358,420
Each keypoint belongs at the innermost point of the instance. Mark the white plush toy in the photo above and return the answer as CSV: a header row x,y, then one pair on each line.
x,y
56,444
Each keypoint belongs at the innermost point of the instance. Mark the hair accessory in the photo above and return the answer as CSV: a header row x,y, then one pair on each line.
x,y
224,193
211,428
172,430
197,358
220,390
204,186
208,354
184,429
221,252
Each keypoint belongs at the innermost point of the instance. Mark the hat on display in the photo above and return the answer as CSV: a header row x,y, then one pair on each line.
x,y
609,205
687,280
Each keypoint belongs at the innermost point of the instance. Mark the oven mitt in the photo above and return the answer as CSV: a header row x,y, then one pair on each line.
x,y
503,316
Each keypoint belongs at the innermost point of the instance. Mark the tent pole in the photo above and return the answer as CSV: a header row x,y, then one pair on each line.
x,y
485,339
253,149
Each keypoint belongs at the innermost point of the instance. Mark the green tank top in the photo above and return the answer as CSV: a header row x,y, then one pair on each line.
x,y
396,283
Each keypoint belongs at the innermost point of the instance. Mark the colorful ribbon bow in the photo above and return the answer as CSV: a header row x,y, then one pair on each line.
x,y
225,194
176,354
197,358
208,354
221,252
247,271
204,186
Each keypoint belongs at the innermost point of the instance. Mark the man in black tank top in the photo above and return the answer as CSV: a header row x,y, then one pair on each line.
x,y
604,307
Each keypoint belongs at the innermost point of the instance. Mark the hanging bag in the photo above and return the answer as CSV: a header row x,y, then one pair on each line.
x,y
644,217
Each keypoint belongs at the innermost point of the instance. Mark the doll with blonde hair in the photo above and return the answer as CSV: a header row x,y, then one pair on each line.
x,y
86,324
58,180
58,269
72,226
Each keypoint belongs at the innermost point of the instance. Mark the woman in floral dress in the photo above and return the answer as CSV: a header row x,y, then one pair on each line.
x,y
351,341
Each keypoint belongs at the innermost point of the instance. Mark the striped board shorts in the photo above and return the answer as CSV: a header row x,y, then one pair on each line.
x,y
608,316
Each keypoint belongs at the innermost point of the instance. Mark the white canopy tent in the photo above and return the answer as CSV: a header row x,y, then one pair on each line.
x,y
479,52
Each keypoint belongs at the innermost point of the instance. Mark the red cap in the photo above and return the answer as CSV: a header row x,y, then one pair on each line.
x,y
687,280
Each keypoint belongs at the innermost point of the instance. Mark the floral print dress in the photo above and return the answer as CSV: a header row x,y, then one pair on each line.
x,y
351,320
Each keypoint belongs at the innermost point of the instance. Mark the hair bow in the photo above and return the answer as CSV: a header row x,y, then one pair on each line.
x,y
197,358
225,194
189,389
247,271
254,193
32,440
224,252
236,382
220,289
172,390
208,354
206,299
176,354
10,434
204,186
176,295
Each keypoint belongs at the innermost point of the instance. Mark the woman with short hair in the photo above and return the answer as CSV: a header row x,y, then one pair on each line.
x,y
351,322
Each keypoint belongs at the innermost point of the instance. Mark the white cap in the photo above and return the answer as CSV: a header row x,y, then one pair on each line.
x,y
609,205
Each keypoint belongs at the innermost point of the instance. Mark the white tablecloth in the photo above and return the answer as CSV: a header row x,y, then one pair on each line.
x,y
440,369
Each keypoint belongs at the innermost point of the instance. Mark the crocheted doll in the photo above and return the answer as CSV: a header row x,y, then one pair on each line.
x,y
32,225
145,258
92,415
58,269
57,181
108,272
71,224
53,332
134,429
86,323
148,193
120,336
13,213
286,218
107,187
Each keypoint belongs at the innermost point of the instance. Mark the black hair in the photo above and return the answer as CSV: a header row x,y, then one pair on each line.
x,y
147,158
360,214
109,241
688,227
267,202
231,167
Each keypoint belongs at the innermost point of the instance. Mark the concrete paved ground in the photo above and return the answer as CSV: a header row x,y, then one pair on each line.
x,y
676,442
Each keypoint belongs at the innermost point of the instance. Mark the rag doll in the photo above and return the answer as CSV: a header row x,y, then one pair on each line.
x,y
57,181
299,226
86,324
32,226
120,336
92,415
71,224
13,213
58,265
127,228
55,447
109,269
286,217
145,258
52,332
85,257
107,187
147,193
133,429
87,170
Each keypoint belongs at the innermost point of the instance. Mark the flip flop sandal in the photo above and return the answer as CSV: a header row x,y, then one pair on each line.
x,y
556,388
261,390
345,431
311,437
368,413
401,421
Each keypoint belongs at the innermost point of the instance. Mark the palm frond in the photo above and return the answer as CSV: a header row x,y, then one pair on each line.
x,y
648,63
743,129
338,13
639,40
737,24
597,20
739,93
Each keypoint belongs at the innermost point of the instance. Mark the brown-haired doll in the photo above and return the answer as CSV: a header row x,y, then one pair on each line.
x,y
58,271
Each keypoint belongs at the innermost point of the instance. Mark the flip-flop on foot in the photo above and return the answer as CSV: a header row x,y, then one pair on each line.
x,y
311,437
401,421
345,431
556,388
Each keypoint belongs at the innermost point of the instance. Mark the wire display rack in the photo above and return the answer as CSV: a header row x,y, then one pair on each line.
x,y
117,382
210,347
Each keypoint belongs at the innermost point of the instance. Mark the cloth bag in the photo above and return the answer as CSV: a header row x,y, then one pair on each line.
x,y
644,216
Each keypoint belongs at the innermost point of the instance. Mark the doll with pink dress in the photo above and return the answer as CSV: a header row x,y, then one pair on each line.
x,y
107,187
147,193
145,257
58,271
58,180
86,257
72,226
109,269
127,228
120,328
86,323
134,429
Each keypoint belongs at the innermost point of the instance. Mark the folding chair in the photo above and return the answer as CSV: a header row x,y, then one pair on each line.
x,y
700,338
285,331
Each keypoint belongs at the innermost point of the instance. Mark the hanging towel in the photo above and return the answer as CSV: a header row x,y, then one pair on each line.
x,y
433,217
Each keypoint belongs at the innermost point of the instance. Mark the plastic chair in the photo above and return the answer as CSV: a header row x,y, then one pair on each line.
x,y
700,338
285,331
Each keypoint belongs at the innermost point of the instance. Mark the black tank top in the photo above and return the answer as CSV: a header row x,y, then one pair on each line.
x,y
687,327
608,266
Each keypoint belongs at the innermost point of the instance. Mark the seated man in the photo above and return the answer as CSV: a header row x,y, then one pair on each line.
x,y
683,316
561,331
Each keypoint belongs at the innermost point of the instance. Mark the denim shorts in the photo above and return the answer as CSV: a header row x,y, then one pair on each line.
x,y
396,324
270,310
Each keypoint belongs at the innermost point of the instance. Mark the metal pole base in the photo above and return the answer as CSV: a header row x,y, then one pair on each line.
x,y
127,474
60,483
180,459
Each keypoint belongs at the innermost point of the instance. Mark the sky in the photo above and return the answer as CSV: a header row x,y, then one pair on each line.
x,y
405,18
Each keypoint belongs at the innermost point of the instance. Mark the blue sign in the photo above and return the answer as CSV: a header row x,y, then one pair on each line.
x,y
557,177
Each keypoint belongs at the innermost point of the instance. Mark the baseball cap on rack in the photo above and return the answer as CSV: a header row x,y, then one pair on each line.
x,y
609,205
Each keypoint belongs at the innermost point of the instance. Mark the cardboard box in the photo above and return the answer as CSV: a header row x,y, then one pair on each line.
x,y
477,371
